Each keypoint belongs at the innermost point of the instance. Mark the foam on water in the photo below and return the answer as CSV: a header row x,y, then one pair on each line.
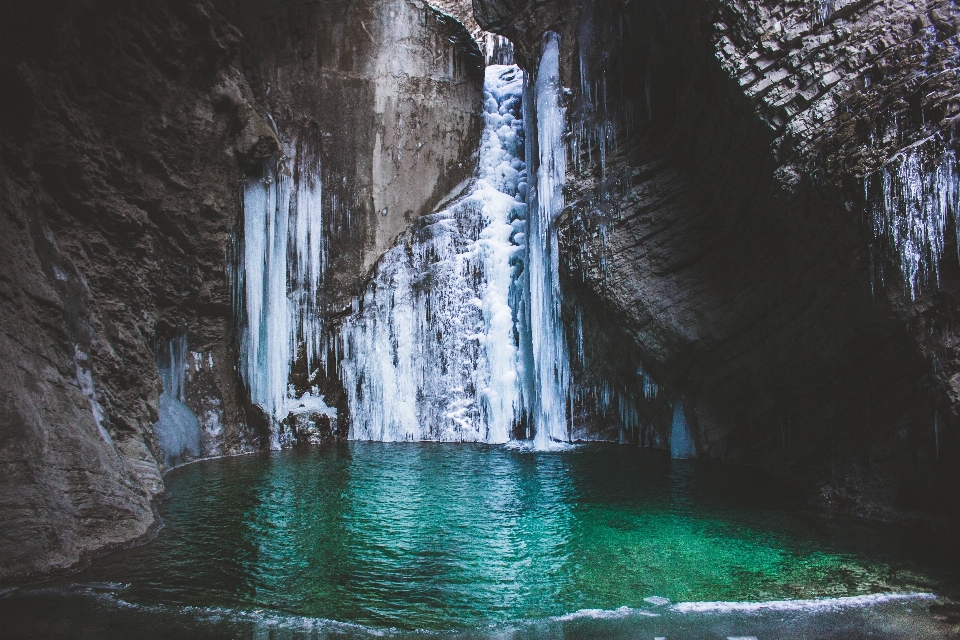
x,y
272,621
816,604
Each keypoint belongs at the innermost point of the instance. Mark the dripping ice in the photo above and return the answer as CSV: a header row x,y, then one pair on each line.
x,y
549,381
281,267
920,193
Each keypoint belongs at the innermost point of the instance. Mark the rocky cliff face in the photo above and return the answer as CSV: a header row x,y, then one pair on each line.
x,y
718,234
126,130
384,95
118,200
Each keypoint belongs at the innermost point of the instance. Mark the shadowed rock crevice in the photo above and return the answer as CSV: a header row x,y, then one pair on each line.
x,y
716,213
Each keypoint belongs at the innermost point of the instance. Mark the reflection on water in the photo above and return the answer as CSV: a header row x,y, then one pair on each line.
x,y
434,536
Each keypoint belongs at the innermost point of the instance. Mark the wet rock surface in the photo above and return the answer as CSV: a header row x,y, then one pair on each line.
x,y
716,218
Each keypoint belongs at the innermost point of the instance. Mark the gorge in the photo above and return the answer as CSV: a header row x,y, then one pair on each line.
x,y
571,246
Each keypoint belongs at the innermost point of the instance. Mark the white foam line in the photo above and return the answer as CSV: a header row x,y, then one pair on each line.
x,y
527,446
272,620
258,617
603,614
797,605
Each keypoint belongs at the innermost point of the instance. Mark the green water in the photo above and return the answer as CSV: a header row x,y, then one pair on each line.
x,y
440,536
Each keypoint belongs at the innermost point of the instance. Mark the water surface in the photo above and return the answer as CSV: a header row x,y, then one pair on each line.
x,y
447,537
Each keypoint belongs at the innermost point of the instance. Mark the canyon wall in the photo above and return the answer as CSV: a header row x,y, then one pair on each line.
x,y
731,249
718,235
127,130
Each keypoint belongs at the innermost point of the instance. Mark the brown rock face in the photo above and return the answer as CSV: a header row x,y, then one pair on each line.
x,y
126,129
118,200
386,96
719,236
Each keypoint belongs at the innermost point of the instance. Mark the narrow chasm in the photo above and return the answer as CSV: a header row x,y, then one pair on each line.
x,y
480,319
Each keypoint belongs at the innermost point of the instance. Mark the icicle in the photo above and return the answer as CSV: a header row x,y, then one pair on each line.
x,y
267,354
309,248
283,262
936,432
920,191
551,374
824,10
497,50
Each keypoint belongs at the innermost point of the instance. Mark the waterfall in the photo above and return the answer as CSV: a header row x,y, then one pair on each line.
x,y
458,336
178,429
430,351
550,375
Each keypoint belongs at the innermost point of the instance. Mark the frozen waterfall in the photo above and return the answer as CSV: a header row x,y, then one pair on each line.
x,y
430,352
549,381
458,336
265,350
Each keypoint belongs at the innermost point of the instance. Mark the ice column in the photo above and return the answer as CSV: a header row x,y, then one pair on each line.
x,y
266,348
281,268
551,362
681,444
309,257
177,430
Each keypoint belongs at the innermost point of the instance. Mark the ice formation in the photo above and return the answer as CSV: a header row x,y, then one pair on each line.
x,y
458,336
280,269
265,347
681,444
824,9
496,49
920,193
178,430
84,378
431,353
550,376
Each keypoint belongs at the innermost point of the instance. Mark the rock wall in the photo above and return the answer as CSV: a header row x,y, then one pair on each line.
x,y
122,126
718,233
386,94
126,129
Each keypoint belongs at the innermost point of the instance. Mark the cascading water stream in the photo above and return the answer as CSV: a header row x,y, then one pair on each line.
x,y
430,353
